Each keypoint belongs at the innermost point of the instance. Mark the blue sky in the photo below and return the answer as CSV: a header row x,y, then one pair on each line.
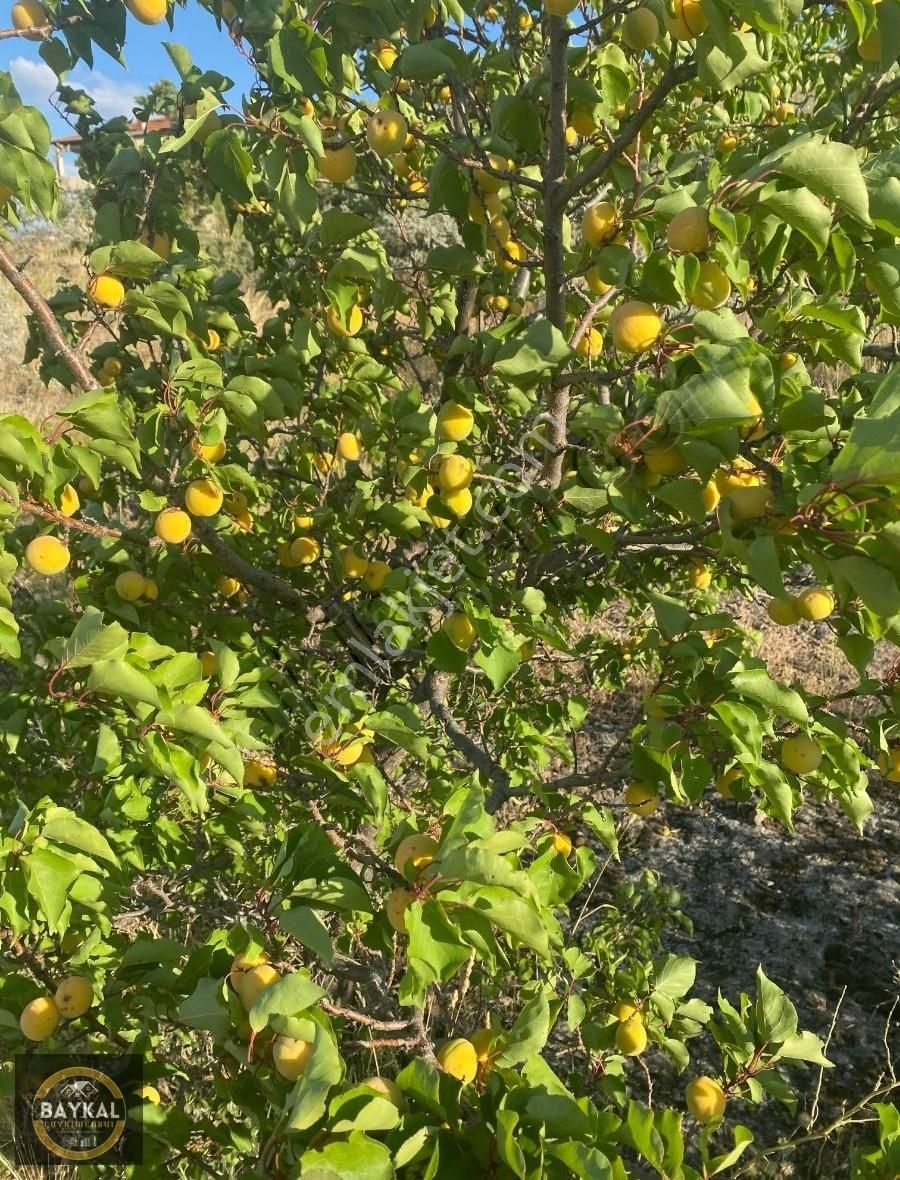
x,y
114,86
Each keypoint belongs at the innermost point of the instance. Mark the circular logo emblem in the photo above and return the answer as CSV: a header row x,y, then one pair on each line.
x,y
78,1113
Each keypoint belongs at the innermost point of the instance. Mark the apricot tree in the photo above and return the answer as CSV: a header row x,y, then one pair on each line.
x,y
569,308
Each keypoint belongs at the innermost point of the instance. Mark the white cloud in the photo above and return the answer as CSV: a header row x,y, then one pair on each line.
x,y
112,97
34,80
35,83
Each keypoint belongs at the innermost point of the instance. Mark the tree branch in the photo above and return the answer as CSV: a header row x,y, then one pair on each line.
x,y
673,77
47,320
436,691
554,266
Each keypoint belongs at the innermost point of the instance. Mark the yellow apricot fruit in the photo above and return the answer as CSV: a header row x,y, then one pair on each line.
x,y
525,21
705,1099
571,137
173,526
416,852
69,503
815,604
338,164
710,495
29,14
583,122
599,223
347,754
635,326
336,325
208,452
699,576
213,340
107,291
689,231
259,774
727,142
486,181
665,460
348,447
130,585
386,55
251,984
353,564
783,611
291,1056
110,370
202,497
596,283
562,845
39,1019
590,346
455,472
454,422
559,7
685,19
209,665
459,630
148,12
227,587
725,782
459,1059
787,360
376,575
631,1036
242,963
510,257
869,48
459,502
750,503
783,112
304,521
398,902
800,754
305,550
712,288
47,555
641,800
889,764
151,590
386,132
640,29
624,1011
483,206
741,474
74,995
387,1089
149,1094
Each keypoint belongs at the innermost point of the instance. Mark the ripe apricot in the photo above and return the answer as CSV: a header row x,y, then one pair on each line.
x,y
47,555
39,1019
459,1059
74,995
705,1099
172,526
641,799
416,852
203,497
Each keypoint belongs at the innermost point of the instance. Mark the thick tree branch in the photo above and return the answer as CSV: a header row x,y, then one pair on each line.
x,y
49,324
436,691
673,77
554,256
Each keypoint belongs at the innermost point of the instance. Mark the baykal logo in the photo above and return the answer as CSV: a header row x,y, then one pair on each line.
x,y
76,1109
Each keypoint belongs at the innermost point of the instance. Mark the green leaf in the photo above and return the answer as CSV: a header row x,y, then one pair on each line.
x,y
228,164
433,59
362,1109
359,1158
288,997
528,1034
830,170
710,402
756,684
525,358
340,225
65,827
805,1046
310,1093
675,976
117,679
204,1008
875,585
498,664
508,1150
725,62
871,453
775,1015
49,876
804,211
308,928
90,642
